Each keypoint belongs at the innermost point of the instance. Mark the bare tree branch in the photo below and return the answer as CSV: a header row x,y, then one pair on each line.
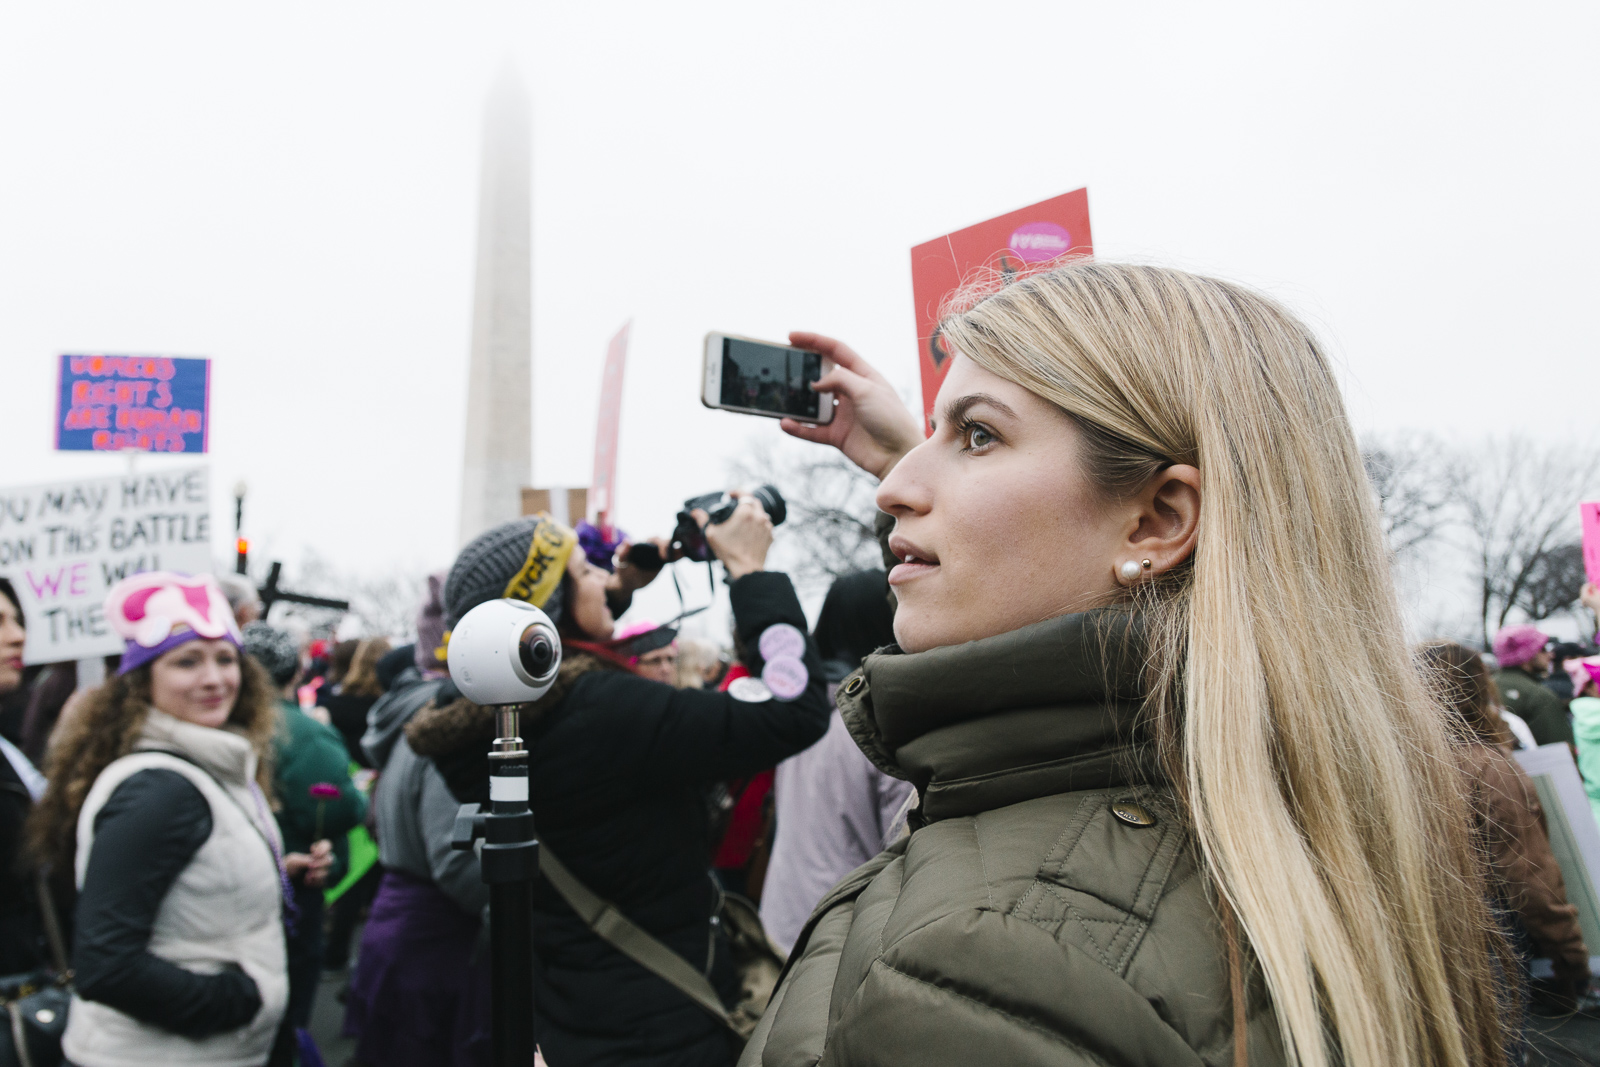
x,y
384,604
829,531
1519,503
1412,477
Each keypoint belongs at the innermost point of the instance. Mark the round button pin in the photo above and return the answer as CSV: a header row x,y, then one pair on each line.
x,y
786,676
780,640
750,690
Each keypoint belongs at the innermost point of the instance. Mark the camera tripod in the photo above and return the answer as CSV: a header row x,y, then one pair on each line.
x,y
510,861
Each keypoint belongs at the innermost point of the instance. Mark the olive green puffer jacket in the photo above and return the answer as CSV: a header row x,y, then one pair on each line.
x,y
1047,907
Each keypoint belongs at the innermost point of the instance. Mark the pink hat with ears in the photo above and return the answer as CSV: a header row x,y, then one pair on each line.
x,y
1583,672
156,611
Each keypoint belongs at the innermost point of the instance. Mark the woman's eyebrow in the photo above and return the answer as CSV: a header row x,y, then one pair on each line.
x,y
958,408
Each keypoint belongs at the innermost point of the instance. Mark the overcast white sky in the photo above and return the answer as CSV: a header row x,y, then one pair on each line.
x,y
291,191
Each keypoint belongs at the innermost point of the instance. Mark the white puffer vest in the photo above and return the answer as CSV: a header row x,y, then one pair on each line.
x,y
225,907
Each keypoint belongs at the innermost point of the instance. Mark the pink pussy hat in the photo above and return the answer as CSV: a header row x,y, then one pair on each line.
x,y
157,611
1582,672
1516,645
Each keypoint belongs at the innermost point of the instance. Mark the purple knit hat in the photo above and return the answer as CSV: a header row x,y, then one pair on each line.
x,y
157,611
600,549
1516,645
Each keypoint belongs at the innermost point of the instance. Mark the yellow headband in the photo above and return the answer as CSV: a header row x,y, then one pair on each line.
x,y
547,562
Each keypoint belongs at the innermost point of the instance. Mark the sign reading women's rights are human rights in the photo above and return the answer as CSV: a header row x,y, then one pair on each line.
x,y
142,403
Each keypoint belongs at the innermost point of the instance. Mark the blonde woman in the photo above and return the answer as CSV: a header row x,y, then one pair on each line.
x,y
1183,797
157,802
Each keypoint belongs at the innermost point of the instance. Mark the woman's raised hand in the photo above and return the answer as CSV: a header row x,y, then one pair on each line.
x,y
870,425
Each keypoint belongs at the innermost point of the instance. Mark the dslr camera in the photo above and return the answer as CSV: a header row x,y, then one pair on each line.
x,y
689,540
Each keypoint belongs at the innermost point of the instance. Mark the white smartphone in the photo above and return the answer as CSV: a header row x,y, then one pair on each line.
x,y
762,378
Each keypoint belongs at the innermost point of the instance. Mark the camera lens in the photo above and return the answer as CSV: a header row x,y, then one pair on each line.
x,y
773,502
536,650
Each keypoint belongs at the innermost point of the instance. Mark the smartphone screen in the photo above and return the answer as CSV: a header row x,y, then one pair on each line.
x,y
772,378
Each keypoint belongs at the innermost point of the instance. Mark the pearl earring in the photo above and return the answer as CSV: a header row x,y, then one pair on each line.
x,y
1130,570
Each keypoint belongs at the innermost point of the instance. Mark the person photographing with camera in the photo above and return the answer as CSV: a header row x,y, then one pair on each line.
x,y
619,766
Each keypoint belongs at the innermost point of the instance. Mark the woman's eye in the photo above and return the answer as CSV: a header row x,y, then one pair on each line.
x,y
976,436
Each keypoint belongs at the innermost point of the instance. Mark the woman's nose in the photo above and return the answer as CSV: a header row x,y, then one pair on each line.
x,y
906,490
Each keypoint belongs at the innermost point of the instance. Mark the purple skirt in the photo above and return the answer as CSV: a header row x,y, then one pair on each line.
x,y
418,998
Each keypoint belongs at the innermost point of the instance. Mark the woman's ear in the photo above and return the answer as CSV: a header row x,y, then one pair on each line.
x,y
1167,519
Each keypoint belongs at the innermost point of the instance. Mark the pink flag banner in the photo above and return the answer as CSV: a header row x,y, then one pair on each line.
x,y
1589,511
602,488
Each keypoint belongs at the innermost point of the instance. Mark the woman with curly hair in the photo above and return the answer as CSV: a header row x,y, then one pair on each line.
x,y
157,802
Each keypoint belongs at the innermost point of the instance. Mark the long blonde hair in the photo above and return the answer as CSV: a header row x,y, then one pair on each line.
x,y
1315,767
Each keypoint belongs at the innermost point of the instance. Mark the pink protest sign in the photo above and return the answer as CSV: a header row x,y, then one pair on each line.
x,y
1590,513
602,487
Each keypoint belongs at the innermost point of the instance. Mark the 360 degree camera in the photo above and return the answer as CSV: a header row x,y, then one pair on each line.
x,y
504,652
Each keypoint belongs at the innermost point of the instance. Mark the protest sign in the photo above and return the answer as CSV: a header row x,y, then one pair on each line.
x,y
602,488
1589,512
147,403
1020,240
1574,834
63,544
565,505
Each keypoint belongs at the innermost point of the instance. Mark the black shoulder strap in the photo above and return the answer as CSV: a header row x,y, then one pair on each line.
x,y
622,934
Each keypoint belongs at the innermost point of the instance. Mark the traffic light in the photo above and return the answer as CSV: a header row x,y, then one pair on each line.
x,y
241,563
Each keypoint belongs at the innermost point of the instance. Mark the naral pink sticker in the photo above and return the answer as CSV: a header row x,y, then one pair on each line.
x,y
786,676
781,640
1039,242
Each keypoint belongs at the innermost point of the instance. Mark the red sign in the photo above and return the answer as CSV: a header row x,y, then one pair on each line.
x,y
602,489
1009,244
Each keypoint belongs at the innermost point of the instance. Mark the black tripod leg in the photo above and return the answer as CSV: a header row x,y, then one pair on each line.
x,y
511,974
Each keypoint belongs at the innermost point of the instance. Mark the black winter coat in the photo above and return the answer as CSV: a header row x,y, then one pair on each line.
x,y
618,771
22,943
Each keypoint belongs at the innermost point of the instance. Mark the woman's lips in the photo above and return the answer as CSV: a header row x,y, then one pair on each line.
x,y
15,663
910,570
914,561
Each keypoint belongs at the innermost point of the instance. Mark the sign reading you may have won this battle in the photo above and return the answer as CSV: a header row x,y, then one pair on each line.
x,y
63,544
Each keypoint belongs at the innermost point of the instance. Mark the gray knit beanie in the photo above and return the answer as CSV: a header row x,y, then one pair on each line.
x,y
274,650
487,566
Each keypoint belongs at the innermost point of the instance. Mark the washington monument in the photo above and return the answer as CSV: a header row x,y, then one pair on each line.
x,y
498,459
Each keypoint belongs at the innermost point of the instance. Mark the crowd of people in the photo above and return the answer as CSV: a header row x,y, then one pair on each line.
x,y
1121,757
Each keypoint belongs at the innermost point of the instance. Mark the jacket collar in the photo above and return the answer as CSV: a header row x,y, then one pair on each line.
x,y
1046,709
226,755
